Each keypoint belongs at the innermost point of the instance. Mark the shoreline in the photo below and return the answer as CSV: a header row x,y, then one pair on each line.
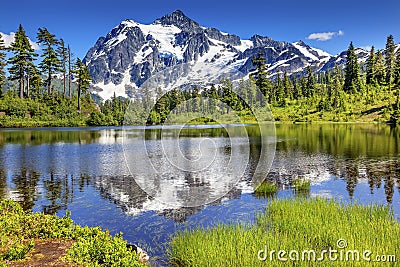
x,y
35,127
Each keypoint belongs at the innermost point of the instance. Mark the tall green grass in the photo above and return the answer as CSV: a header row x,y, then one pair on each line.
x,y
292,224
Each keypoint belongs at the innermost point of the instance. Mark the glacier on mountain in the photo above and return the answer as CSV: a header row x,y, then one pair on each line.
x,y
176,52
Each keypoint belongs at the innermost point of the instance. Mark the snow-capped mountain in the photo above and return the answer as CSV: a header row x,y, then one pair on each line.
x,y
175,51
340,59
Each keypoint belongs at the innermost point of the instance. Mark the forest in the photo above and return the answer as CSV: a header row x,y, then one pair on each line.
x,y
54,90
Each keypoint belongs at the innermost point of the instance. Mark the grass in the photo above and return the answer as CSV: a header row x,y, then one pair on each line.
x,y
266,189
301,184
90,246
292,224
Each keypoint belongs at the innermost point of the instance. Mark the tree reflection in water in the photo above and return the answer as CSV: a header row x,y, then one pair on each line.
x,y
50,166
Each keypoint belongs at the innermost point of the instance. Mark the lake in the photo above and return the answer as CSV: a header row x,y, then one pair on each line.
x,y
149,182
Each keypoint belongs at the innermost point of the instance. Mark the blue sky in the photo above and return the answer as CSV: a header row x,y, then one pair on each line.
x,y
81,22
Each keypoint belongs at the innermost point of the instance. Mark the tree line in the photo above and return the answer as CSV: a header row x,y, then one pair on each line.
x,y
339,94
36,81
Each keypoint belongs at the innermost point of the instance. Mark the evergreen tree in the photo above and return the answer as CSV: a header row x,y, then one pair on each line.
x,y
70,70
279,91
50,63
288,86
379,68
36,82
303,86
147,97
2,64
310,82
62,51
337,88
396,72
195,99
24,56
32,78
297,93
352,82
370,78
261,75
395,115
212,97
83,79
161,104
389,60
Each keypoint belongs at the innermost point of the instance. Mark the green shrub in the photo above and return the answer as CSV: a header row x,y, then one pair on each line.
x,y
92,247
17,251
97,248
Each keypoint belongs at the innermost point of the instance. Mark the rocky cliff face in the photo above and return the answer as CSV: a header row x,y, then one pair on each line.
x,y
175,51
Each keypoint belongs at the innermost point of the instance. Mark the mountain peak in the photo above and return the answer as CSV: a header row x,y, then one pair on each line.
x,y
178,13
176,52
180,20
302,43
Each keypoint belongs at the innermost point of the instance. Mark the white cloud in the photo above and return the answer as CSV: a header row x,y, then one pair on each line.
x,y
324,36
9,38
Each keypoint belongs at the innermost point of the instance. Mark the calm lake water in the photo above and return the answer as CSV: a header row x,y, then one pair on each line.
x,y
99,173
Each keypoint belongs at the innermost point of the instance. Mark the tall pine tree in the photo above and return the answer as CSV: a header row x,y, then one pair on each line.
x,y
70,70
389,60
396,72
337,88
83,79
22,59
287,84
379,68
32,78
371,61
261,75
50,63
352,82
311,86
2,64
62,51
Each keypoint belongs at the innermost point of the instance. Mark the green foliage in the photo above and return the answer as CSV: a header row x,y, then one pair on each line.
x,y
333,95
98,248
62,51
291,224
83,79
352,81
371,61
48,111
301,184
396,72
22,61
379,68
50,63
395,115
17,251
389,59
266,189
2,64
92,246
261,75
